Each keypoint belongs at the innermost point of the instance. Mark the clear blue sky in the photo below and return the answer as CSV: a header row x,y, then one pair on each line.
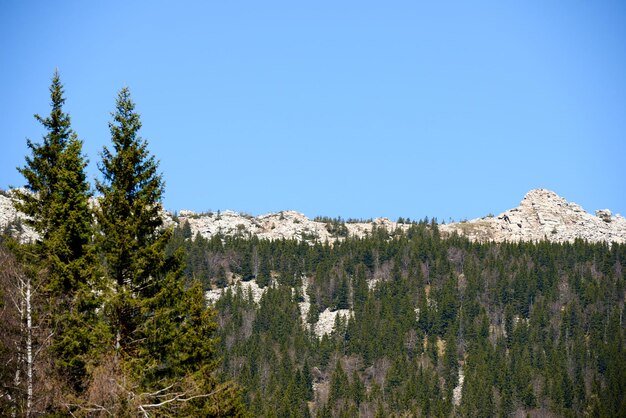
x,y
350,108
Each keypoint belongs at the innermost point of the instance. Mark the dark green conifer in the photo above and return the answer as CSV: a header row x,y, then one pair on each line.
x,y
57,203
339,385
130,208
163,330
342,294
357,389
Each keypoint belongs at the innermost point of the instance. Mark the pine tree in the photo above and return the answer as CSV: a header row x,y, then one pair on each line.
x,y
163,330
133,241
57,201
178,355
339,385
450,362
221,280
342,295
42,170
307,379
357,389
130,207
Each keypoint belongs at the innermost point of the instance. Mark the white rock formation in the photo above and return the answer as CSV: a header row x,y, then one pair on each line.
x,y
275,226
305,305
326,321
458,390
543,214
8,215
250,286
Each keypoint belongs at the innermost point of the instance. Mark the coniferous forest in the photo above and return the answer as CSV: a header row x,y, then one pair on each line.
x,y
105,314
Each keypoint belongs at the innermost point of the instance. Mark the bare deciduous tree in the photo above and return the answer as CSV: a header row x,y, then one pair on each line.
x,y
23,339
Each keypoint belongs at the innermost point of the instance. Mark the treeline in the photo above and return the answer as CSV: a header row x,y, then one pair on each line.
x,y
532,328
96,318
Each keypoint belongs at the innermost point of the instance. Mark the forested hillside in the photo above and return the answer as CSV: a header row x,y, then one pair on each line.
x,y
107,310
437,327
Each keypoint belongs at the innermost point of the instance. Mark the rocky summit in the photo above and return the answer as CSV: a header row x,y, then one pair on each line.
x,y
544,215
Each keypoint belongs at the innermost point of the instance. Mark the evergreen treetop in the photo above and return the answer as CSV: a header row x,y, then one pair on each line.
x,y
57,200
129,215
163,329
64,261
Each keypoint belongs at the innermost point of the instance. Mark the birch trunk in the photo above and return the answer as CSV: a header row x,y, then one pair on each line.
x,y
29,349
21,309
24,345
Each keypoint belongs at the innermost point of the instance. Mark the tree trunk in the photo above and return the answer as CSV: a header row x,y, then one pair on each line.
x,y
29,349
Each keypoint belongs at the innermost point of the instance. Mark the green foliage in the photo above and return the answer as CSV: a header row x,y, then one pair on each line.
x,y
527,323
57,203
126,337
132,242
163,330
130,209
177,354
339,385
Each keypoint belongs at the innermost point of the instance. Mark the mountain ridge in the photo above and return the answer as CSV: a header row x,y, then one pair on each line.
x,y
541,215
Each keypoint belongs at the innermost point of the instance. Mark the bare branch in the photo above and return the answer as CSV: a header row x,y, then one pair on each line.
x,y
92,408
43,344
157,392
179,398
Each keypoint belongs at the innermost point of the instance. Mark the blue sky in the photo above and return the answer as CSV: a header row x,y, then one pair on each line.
x,y
351,108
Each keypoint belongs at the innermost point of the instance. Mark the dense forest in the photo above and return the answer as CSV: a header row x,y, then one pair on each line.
x,y
532,327
106,314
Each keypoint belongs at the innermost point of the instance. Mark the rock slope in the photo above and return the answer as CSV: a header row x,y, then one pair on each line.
x,y
543,214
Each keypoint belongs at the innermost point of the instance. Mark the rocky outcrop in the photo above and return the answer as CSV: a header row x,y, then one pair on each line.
x,y
543,215
249,287
275,226
457,392
325,323
13,221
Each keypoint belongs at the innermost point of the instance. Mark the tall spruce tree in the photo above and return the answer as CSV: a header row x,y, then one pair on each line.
x,y
133,240
130,207
57,196
56,200
164,333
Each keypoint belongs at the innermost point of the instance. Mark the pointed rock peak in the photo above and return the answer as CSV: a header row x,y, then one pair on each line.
x,y
543,214
547,200
541,196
